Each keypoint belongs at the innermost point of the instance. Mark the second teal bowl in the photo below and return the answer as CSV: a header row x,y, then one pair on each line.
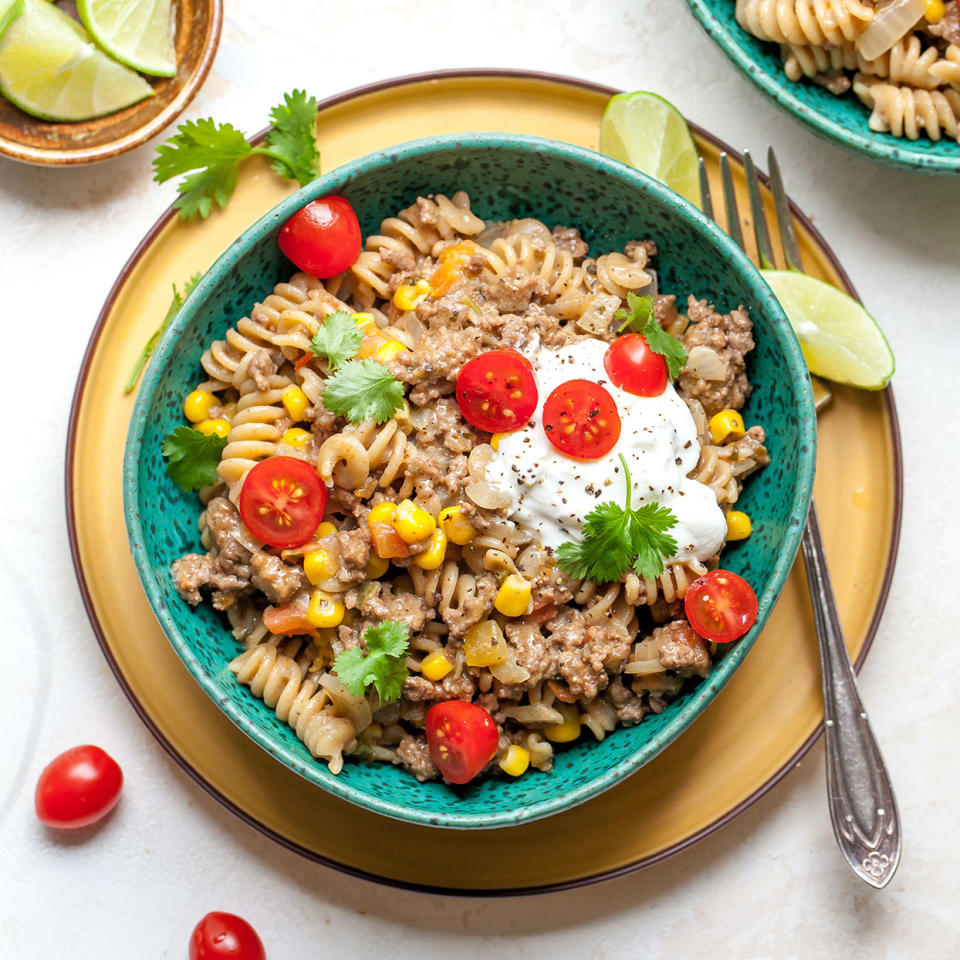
x,y
506,176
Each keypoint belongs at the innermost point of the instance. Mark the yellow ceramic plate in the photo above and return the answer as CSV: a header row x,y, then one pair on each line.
x,y
764,719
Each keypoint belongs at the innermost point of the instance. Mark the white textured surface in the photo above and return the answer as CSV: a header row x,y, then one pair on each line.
x,y
769,885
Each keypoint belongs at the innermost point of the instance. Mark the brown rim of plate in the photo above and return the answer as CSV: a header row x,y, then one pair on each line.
x,y
309,854
65,156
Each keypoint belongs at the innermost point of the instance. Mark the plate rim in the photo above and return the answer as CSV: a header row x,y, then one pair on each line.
x,y
248,818
80,155
898,153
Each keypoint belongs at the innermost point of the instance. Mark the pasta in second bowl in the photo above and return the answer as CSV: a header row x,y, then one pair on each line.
x,y
506,178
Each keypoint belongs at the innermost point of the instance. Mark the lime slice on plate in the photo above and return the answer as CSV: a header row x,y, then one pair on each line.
x,y
49,69
648,133
138,33
839,339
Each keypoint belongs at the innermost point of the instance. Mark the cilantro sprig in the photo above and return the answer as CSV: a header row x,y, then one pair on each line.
x,y
383,664
192,457
641,317
361,389
213,153
176,303
337,338
617,539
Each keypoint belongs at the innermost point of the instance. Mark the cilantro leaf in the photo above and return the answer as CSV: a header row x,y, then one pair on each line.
x,y
337,339
617,538
292,141
214,151
192,457
176,303
361,389
383,665
650,541
641,317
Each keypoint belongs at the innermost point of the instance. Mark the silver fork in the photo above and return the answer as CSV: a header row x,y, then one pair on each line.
x,y
862,805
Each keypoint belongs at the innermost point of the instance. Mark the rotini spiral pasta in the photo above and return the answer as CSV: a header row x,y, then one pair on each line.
x,y
906,112
814,22
566,651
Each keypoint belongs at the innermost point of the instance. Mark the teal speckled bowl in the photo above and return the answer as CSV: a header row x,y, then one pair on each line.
x,y
841,119
506,176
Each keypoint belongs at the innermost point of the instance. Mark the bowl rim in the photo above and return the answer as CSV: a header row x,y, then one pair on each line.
x,y
73,156
894,151
702,695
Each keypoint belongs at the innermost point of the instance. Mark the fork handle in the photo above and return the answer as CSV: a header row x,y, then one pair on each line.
x,y
862,805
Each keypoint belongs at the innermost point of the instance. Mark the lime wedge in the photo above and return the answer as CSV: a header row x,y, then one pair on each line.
x,y
9,11
648,133
138,33
839,339
49,69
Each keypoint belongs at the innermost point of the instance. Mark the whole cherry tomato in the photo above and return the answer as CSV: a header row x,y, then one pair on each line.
x,y
78,788
462,738
322,238
580,419
282,501
224,936
496,391
720,606
634,367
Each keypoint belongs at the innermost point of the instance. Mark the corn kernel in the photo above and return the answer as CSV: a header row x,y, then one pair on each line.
x,y
198,405
495,440
295,402
513,597
569,729
515,761
376,567
366,323
432,557
214,428
726,425
413,523
436,666
458,529
326,529
296,437
484,645
384,512
408,295
935,11
324,611
320,565
388,351
739,526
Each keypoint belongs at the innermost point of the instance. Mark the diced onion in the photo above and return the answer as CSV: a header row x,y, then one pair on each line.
x,y
706,363
510,672
892,22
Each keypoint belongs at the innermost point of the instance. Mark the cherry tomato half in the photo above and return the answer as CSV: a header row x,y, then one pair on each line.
x,y
282,501
323,238
78,788
224,936
634,367
720,606
462,738
496,391
580,419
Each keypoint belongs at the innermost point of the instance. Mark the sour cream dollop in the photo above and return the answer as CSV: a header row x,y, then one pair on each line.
x,y
553,493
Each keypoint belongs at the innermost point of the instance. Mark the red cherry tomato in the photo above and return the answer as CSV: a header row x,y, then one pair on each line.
x,y
462,738
496,391
634,367
323,238
223,936
78,788
282,501
720,606
580,419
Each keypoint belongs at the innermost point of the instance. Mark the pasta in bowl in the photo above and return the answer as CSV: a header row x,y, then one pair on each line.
x,y
449,570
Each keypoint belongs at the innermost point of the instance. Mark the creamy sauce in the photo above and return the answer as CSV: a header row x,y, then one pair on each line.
x,y
552,493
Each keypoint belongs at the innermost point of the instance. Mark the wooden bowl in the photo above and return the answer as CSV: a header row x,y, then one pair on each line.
x,y
26,138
